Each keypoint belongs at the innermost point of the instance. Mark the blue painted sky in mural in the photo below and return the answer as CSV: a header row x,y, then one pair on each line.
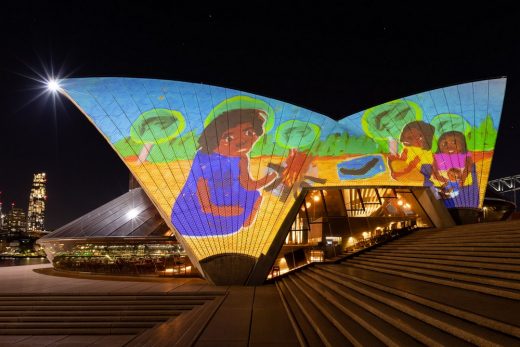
x,y
123,99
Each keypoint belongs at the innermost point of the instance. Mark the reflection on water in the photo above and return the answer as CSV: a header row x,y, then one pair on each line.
x,y
22,261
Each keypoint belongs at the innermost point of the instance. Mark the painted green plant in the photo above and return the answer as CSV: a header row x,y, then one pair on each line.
x,y
297,134
387,120
483,137
154,127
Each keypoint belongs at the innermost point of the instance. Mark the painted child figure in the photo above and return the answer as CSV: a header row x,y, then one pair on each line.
x,y
414,162
451,187
452,154
220,197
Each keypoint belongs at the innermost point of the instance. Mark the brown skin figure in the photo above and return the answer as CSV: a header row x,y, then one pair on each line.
x,y
453,142
233,134
416,134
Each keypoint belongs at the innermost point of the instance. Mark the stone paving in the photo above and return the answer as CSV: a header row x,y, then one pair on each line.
x,y
248,316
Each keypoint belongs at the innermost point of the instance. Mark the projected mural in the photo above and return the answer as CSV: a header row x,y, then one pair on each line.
x,y
224,167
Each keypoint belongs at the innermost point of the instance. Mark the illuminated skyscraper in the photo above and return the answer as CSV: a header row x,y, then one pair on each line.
x,y
1,215
36,210
15,220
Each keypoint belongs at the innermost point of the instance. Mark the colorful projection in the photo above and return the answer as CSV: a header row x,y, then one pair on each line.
x,y
224,167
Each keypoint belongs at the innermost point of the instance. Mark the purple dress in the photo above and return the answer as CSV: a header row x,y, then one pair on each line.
x,y
468,195
222,174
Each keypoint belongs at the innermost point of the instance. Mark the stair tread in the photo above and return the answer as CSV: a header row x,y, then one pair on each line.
x,y
72,331
306,329
512,275
161,312
468,327
85,319
482,288
451,257
351,322
491,306
398,320
327,332
421,259
506,283
95,308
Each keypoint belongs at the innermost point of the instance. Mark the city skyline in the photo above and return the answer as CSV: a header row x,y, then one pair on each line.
x,y
336,61
34,213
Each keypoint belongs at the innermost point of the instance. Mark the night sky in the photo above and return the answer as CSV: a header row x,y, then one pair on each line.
x,y
336,60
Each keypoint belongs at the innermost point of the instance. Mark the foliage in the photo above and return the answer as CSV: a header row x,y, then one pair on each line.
x,y
483,137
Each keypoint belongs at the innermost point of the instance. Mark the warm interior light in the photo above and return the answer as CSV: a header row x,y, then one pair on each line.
x,y
53,85
400,202
316,198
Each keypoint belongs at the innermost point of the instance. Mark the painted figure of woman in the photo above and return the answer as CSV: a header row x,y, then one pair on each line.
x,y
415,161
452,154
220,196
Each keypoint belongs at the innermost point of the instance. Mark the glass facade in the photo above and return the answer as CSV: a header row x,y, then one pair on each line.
x,y
333,221
121,257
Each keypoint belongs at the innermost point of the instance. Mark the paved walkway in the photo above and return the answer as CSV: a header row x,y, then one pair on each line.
x,y
248,316
23,279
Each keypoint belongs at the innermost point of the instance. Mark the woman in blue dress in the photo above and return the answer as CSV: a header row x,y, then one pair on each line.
x,y
219,196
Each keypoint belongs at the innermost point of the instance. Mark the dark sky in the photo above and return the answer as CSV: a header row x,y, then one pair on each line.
x,y
333,59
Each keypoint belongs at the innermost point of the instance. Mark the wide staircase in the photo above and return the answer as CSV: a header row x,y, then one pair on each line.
x,y
455,286
93,314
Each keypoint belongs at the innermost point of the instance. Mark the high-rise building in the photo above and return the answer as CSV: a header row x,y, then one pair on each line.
x,y
15,220
1,216
37,198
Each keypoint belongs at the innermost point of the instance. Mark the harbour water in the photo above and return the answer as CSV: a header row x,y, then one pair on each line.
x,y
15,261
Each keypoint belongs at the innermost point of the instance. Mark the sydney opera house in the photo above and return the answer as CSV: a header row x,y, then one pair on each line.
x,y
232,185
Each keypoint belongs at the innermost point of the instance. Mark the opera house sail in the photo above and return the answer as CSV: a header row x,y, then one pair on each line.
x,y
226,168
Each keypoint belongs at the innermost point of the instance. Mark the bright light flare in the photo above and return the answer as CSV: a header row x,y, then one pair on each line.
x,y
132,213
53,85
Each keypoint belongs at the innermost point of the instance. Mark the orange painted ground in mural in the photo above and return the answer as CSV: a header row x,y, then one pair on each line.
x,y
164,182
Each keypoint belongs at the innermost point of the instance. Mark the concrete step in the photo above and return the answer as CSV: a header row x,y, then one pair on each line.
x,y
457,286
72,331
353,329
440,255
73,325
487,289
433,236
390,326
467,230
440,260
458,275
492,312
305,332
429,325
115,297
98,308
19,313
328,333
515,257
464,248
19,302
45,314
460,268
467,242
27,319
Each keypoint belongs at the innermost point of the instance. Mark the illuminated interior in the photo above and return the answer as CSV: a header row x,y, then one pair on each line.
x,y
122,257
331,221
